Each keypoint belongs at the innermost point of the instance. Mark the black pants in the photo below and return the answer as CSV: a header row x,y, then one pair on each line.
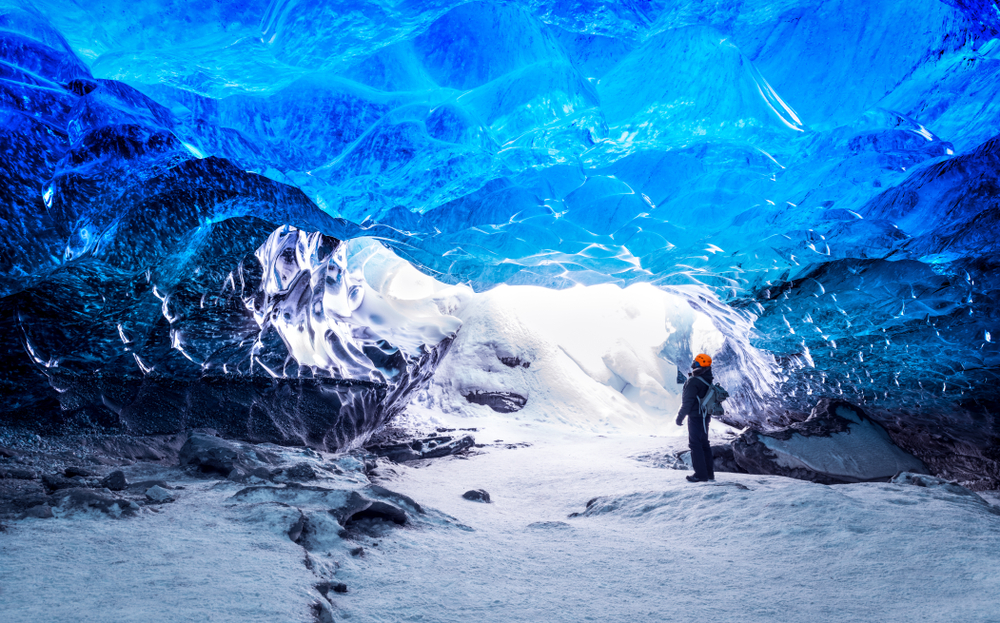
x,y
701,451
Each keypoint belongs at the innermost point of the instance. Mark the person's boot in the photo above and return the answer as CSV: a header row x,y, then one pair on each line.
x,y
693,478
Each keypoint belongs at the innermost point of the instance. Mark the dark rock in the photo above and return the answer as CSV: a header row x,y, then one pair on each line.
x,y
477,495
237,474
722,454
514,362
358,551
358,510
501,402
426,448
322,613
725,460
17,473
142,485
55,482
6,452
396,498
40,512
300,471
159,495
295,532
115,481
261,472
209,453
87,499
214,455
326,587
33,500
837,443
72,472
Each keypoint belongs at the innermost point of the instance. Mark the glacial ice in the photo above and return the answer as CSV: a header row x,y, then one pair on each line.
x,y
817,179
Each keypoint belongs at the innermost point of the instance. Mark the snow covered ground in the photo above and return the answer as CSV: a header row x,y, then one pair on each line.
x,y
651,547
196,559
656,548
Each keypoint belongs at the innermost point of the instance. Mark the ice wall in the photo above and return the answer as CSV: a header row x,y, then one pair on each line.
x,y
819,177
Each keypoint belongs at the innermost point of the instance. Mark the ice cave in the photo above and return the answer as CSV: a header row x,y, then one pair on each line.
x,y
383,310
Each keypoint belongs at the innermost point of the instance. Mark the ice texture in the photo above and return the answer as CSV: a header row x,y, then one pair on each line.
x,y
862,452
818,179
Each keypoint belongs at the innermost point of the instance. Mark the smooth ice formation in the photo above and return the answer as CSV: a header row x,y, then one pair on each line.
x,y
818,178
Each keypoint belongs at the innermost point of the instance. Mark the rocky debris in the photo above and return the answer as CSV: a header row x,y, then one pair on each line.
x,y
158,495
154,448
549,525
946,487
837,443
398,499
73,471
322,612
725,459
477,495
514,362
214,455
359,507
326,587
426,448
55,482
357,551
88,499
142,485
295,532
666,460
300,471
501,402
18,473
42,511
261,472
115,481
6,453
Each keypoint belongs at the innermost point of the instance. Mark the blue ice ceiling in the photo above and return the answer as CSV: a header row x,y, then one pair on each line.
x,y
827,167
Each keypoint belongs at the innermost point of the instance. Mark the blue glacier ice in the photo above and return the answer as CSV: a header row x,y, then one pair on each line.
x,y
179,181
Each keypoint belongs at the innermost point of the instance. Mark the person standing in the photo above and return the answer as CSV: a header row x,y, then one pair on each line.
x,y
695,388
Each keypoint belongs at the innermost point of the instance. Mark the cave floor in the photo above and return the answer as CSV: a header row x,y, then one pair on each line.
x,y
651,547
656,548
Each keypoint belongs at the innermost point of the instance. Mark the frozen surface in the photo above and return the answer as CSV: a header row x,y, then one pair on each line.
x,y
199,558
645,545
654,547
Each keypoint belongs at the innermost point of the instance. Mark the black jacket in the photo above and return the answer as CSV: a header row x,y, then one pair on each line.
x,y
694,390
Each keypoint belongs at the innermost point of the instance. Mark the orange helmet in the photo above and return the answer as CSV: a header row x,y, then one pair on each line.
x,y
703,360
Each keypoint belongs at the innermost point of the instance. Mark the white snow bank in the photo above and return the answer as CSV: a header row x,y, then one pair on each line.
x,y
596,358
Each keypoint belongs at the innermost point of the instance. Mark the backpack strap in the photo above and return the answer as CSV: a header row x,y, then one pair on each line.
x,y
703,381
